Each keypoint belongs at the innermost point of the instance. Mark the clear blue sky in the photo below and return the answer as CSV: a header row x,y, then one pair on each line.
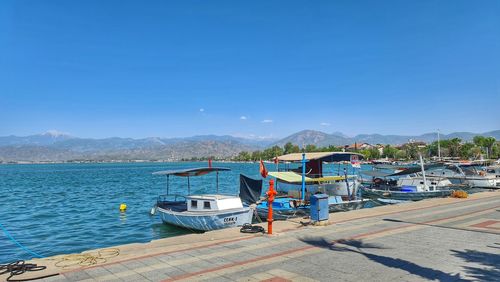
x,y
182,68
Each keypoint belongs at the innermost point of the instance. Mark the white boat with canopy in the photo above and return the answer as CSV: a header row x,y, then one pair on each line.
x,y
203,212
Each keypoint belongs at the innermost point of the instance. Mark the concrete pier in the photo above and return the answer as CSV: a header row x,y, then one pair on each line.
x,y
438,239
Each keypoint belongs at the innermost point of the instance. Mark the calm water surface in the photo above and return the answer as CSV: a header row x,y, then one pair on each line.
x,y
67,208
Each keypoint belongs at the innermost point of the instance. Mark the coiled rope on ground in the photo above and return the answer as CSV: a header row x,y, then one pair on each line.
x,y
86,259
20,267
248,228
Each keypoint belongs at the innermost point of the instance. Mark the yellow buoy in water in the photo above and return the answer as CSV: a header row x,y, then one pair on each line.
x,y
123,207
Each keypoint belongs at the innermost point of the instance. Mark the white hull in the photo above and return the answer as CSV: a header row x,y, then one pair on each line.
x,y
208,220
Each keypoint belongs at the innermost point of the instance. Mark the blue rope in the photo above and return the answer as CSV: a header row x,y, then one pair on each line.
x,y
19,244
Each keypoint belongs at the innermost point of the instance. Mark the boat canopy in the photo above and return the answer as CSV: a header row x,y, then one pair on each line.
x,y
321,156
191,171
375,173
378,173
293,177
288,176
416,169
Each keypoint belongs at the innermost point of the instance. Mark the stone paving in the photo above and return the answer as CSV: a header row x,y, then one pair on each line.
x,y
458,240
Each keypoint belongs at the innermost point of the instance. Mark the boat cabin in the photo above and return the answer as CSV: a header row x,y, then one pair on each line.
x,y
212,203
196,203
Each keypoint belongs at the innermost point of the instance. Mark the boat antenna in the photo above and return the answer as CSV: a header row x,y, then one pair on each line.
x,y
189,186
423,171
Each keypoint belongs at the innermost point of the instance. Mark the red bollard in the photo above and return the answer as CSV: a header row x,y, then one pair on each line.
x,y
270,198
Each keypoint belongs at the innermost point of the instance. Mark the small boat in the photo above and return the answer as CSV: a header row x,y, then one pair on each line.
x,y
287,207
404,195
493,171
470,175
202,212
412,185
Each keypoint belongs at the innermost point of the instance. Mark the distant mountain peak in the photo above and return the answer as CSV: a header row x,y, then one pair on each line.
x,y
338,133
55,133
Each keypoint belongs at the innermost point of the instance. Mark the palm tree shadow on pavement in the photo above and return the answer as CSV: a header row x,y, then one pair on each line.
x,y
489,269
358,246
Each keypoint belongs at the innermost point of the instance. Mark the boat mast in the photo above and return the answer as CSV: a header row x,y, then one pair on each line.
x,y
168,181
423,171
439,148
217,181
189,187
303,176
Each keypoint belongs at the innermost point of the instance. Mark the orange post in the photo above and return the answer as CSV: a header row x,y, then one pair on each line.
x,y
270,198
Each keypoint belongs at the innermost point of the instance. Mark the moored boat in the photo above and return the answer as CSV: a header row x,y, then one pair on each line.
x,y
470,175
412,185
203,212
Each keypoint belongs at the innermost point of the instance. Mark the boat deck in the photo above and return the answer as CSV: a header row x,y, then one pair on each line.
x,y
437,239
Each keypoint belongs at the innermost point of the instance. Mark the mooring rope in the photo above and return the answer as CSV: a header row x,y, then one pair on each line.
x,y
86,259
20,267
19,244
248,228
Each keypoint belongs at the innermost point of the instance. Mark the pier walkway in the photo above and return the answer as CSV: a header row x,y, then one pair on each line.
x,y
438,239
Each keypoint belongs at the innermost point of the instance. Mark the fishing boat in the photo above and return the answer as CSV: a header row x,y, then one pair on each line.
x,y
467,174
494,171
411,184
201,212
295,186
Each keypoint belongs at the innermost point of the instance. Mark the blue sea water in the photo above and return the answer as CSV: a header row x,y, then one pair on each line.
x,y
67,208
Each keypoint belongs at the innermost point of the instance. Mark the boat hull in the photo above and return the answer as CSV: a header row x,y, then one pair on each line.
x,y
207,221
285,213
404,196
478,182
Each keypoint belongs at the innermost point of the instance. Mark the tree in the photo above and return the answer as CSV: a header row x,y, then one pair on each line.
x,y
478,140
311,148
243,156
466,152
411,150
400,154
454,147
488,143
495,150
256,155
290,148
371,154
475,152
271,153
389,152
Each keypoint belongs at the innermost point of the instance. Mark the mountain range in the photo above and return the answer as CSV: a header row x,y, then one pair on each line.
x,y
323,139
56,146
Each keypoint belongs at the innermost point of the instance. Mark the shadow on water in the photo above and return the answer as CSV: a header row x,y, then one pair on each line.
x,y
162,230
359,246
489,264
